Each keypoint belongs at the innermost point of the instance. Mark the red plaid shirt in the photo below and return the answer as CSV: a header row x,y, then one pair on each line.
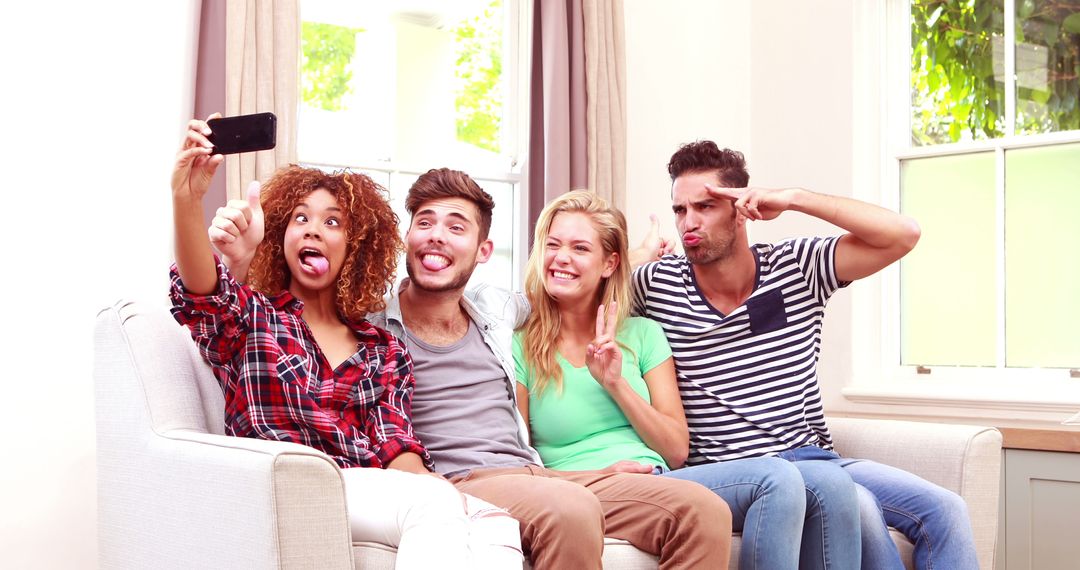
x,y
278,384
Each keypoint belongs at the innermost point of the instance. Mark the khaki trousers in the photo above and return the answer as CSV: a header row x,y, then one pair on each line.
x,y
564,515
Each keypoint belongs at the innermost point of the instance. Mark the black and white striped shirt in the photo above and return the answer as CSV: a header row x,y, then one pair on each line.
x,y
748,379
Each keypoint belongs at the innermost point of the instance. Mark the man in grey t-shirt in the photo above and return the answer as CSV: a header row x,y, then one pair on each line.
x,y
463,408
465,413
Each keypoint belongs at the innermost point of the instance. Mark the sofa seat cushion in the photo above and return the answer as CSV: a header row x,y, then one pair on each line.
x,y
617,554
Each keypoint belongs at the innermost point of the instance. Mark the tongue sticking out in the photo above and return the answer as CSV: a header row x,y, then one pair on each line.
x,y
317,264
434,262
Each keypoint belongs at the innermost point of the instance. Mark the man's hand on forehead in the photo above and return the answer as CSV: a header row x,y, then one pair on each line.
x,y
732,194
756,203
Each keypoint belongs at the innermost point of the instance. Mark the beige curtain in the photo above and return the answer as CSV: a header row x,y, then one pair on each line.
x,y
605,80
262,51
557,160
210,87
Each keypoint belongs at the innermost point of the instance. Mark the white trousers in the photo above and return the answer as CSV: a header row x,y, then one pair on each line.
x,y
431,523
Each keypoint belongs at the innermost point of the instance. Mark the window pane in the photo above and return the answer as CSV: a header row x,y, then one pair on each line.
x,y
1047,66
396,88
948,283
478,85
957,70
346,113
499,270
418,85
1042,201
398,186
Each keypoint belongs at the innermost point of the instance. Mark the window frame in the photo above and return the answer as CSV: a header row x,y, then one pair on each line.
x,y
882,142
518,25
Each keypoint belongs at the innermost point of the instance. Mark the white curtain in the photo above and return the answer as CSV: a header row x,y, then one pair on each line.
x,y
262,52
605,73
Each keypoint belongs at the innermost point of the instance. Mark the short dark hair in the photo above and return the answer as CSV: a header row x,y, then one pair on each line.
x,y
446,183
705,156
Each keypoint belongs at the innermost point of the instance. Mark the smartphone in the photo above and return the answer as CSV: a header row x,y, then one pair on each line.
x,y
243,133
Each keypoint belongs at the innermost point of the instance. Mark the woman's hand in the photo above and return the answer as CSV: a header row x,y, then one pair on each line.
x,y
195,166
628,466
603,355
191,177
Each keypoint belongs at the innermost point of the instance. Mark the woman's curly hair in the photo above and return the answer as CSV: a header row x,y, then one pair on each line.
x,y
372,243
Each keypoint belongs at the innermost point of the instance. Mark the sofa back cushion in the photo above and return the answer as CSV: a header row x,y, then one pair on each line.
x,y
150,375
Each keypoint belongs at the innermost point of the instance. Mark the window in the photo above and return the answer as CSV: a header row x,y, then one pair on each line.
x,y
393,89
991,170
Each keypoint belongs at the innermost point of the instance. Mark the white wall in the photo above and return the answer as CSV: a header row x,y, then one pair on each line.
x,y
771,78
687,77
801,109
95,98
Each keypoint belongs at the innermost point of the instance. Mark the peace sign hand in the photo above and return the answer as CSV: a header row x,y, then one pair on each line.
x,y
603,355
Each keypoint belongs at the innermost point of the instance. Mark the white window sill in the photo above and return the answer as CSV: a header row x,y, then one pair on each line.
x,y
956,397
1035,395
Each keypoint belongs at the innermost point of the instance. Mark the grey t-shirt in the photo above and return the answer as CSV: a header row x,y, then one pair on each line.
x,y
462,409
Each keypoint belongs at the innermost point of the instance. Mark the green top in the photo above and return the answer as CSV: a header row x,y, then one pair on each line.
x,y
582,427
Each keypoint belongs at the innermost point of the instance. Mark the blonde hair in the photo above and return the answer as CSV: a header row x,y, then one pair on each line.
x,y
541,329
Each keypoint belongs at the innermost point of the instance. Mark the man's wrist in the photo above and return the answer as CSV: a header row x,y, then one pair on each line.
x,y
238,268
803,200
643,254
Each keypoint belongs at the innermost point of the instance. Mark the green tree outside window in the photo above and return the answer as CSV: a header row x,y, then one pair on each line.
x,y
479,97
326,51
957,80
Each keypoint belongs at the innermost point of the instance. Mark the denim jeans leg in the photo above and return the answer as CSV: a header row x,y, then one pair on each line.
x,y
766,498
933,518
878,549
831,534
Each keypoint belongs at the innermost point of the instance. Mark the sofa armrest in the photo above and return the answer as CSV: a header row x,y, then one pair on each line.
x,y
172,494
962,458
198,500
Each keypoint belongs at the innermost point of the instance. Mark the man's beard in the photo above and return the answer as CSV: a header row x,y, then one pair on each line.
x,y
711,252
458,282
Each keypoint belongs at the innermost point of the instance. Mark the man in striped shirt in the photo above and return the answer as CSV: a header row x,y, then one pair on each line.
x,y
744,324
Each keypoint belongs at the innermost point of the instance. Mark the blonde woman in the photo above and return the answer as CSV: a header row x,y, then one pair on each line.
x,y
597,388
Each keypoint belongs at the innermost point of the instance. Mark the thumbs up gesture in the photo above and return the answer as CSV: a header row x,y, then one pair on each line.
x,y
237,229
654,243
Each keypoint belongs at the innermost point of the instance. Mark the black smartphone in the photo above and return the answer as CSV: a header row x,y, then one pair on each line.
x,y
243,133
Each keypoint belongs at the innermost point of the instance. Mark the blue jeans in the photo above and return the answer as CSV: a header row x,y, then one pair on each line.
x,y
785,522
934,519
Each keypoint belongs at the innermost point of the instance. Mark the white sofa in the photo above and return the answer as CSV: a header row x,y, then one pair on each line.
x,y
175,492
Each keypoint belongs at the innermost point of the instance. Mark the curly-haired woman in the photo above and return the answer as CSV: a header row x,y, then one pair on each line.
x,y
298,362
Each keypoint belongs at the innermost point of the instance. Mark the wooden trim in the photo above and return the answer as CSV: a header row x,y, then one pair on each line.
x,y
1041,439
